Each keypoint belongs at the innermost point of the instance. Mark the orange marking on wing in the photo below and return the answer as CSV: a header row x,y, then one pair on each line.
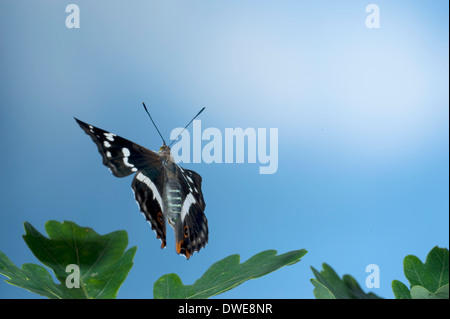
x,y
178,246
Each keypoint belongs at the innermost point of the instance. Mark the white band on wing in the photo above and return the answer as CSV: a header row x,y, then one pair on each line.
x,y
186,205
144,179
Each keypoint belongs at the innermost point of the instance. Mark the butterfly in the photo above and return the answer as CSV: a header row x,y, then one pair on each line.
x,y
162,189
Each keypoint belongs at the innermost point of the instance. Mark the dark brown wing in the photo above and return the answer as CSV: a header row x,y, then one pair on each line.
x,y
149,198
120,155
191,229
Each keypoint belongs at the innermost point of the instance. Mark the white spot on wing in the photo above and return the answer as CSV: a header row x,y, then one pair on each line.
x,y
106,143
126,153
125,161
109,136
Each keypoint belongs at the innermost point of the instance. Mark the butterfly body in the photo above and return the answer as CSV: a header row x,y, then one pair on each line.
x,y
162,189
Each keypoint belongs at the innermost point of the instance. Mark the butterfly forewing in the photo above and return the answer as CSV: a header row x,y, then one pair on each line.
x,y
120,155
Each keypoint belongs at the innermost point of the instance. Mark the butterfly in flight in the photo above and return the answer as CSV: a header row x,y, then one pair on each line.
x,y
162,189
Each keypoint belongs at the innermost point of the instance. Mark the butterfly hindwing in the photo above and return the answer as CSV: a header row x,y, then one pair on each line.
x,y
191,233
120,155
148,197
191,229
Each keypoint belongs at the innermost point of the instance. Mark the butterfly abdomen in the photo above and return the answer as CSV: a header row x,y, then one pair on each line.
x,y
172,201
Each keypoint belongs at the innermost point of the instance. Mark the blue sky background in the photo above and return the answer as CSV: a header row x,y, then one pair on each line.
x,y
362,116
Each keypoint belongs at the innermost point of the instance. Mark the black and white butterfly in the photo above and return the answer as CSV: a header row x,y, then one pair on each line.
x,y
163,189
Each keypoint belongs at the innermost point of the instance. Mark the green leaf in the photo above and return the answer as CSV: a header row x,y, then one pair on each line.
x,y
432,275
427,281
419,292
400,290
224,275
321,291
32,277
355,290
330,279
101,259
345,288
442,292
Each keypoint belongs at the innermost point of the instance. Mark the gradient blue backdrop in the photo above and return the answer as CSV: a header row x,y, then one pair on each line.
x,y
362,116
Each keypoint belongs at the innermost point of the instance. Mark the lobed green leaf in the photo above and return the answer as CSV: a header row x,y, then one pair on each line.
x,y
102,261
427,280
328,285
224,275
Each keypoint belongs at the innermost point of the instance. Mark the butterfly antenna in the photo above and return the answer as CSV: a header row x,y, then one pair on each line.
x,y
187,126
153,123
